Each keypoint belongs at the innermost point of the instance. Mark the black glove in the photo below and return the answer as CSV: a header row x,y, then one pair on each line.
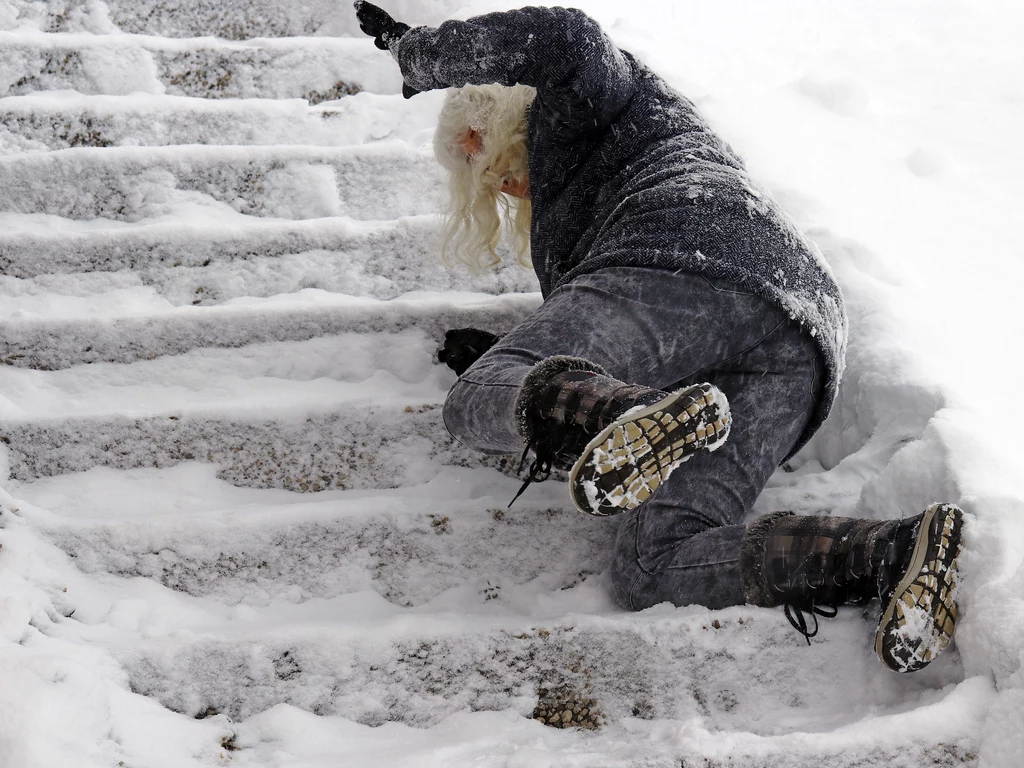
x,y
464,346
378,24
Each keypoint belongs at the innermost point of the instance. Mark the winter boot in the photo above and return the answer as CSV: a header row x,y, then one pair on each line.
x,y
814,564
622,441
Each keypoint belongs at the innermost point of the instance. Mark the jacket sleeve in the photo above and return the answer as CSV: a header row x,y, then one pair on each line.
x,y
583,81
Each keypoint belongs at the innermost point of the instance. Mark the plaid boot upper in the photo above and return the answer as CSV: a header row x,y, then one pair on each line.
x,y
622,441
563,403
577,405
815,564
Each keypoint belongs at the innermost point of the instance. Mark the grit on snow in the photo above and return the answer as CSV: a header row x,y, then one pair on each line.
x,y
234,530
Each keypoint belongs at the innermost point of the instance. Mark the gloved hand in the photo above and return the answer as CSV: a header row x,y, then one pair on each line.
x,y
464,346
378,24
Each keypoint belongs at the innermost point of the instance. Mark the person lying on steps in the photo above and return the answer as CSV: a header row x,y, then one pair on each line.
x,y
685,320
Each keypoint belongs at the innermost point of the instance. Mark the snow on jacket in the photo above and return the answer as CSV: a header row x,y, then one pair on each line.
x,y
625,172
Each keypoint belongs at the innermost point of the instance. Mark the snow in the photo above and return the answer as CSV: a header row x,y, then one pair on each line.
x,y
131,183
156,120
169,596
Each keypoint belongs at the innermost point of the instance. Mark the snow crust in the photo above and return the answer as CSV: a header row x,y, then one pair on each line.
x,y
236,532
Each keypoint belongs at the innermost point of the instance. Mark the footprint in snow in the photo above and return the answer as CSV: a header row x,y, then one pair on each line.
x,y
925,162
842,96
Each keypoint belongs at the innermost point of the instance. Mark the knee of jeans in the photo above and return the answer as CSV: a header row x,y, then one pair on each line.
x,y
625,572
469,419
621,582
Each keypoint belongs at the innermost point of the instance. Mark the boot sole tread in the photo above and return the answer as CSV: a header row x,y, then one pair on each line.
x,y
627,461
919,620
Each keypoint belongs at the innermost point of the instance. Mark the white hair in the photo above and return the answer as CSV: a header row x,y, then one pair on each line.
x,y
476,209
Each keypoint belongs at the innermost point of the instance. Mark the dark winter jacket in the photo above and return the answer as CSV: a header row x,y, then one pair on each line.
x,y
625,172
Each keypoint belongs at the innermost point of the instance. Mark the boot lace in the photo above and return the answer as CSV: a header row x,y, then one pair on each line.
x,y
550,443
795,613
558,442
812,574
824,581
540,468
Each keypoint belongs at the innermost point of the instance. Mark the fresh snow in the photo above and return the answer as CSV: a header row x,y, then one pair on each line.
x,y
233,529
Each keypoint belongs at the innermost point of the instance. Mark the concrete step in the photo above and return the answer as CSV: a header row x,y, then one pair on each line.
x,y
63,119
234,20
355,410
353,273
419,668
230,19
353,448
132,183
123,332
37,244
358,445
208,262
313,68
453,534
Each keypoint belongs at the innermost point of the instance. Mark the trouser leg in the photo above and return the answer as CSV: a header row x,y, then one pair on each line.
x,y
664,330
683,545
642,326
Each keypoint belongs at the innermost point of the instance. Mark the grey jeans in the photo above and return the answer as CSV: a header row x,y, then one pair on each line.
x,y
665,330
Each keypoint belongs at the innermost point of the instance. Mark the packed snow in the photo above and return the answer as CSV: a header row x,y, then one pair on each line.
x,y
233,529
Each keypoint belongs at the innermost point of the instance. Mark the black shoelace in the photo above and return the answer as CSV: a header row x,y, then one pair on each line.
x,y
555,441
889,566
540,468
813,571
553,444
795,613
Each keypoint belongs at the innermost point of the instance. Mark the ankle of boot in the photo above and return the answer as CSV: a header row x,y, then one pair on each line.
x,y
891,554
533,386
756,588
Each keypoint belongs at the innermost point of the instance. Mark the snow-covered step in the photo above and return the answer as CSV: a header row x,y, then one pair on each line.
x,y
124,329
132,183
358,410
234,19
738,670
37,244
62,119
210,260
313,68
206,261
230,19
390,368
433,621
354,410
359,446
409,545
481,738
381,275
